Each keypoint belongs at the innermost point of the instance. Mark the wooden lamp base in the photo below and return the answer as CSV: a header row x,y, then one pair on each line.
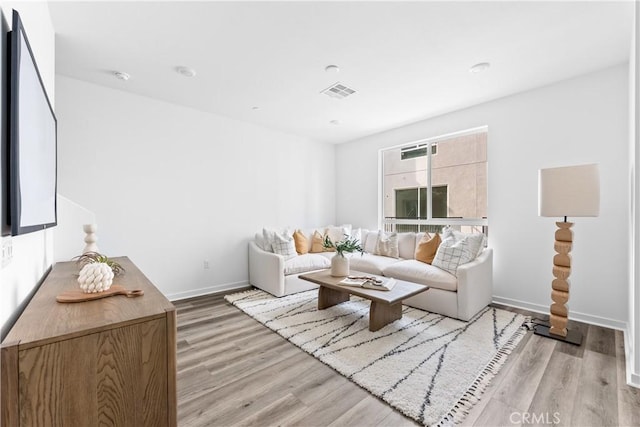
x,y
559,311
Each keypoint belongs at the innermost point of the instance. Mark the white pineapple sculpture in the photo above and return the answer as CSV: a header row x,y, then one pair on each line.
x,y
95,277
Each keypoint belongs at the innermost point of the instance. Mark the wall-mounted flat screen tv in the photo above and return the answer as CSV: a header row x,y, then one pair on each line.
x,y
32,141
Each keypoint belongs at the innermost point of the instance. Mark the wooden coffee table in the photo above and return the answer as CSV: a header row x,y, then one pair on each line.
x,y
386,306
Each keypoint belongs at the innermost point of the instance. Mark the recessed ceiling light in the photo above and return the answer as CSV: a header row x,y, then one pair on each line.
x,y
335,122
121,75
186,71
332,69
480,67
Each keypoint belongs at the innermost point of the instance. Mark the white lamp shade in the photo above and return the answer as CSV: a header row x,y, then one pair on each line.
x,y
569,191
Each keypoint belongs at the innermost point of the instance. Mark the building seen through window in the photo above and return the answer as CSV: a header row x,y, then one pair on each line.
x,y
436,182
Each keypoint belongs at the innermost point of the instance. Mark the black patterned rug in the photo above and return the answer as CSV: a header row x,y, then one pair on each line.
x,y
430,367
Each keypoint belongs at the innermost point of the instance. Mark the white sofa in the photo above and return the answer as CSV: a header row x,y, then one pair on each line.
x,y
459,297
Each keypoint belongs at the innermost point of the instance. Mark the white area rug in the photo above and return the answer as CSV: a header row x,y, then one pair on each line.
x,y
430,367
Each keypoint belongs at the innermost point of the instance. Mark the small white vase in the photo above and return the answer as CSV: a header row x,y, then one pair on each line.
x,y
90,239
339,266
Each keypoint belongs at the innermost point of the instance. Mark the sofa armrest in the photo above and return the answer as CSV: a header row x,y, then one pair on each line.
x,y
475,285
266,270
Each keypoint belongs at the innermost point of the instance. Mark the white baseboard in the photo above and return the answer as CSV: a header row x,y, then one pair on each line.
x,y
573,315
633,379
208,290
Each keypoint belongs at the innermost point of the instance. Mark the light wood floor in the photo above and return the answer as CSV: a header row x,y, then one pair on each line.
x,y
234,371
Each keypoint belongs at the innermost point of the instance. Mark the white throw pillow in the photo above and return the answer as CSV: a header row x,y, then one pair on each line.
x,y
370,240
452,253
476,241
337,233
356,234
268,235
406,245
387,244
259,240
284,245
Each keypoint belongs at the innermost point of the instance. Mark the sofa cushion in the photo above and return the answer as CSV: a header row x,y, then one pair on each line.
x,y
369,263
284,245
387,244
427,248
406,245
424,274
329,255
301,241
304,263
452,253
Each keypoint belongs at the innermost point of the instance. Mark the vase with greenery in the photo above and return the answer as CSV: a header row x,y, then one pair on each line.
x,y
340,263
96,272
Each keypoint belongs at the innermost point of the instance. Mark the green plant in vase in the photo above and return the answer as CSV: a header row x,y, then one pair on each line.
x,y
340,263
96,272
95,257
348,244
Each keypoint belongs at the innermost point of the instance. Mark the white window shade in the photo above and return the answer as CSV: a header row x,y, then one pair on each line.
x,y
569,191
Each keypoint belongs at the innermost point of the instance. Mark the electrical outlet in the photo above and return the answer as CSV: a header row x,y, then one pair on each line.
x,y
7,252
205,264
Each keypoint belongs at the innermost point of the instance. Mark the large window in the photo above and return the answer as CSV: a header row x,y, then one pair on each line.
x,y
435,182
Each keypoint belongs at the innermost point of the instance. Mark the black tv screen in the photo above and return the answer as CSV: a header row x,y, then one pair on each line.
x,y
32,141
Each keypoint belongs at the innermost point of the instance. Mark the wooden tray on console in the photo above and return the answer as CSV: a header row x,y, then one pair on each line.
x,y
78,296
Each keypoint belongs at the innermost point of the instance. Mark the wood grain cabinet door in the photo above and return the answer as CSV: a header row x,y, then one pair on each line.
x,y
117,377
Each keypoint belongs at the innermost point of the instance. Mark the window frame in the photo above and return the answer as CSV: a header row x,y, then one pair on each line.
x,y
384,223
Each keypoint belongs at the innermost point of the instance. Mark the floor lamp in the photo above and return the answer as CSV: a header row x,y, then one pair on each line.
x,y
562,192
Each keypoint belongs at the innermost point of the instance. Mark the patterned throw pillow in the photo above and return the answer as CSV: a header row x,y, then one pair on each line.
x,y
477,241
387,245
284,245
452,253
427,248
301,241
268,235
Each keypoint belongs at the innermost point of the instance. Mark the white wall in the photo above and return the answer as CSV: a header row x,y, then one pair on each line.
x,y
33,252
69,234
632,338
582,120
172,187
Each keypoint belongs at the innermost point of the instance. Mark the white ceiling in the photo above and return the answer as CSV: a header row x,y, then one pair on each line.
x,y
407,61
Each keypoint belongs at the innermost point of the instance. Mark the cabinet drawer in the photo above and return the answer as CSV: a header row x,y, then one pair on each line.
x,y
116,377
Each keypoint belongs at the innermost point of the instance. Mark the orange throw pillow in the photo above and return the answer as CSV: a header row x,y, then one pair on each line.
x,y
427,248
301,241
316,243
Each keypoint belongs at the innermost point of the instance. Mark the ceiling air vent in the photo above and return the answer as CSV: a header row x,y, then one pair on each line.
x,y
338,90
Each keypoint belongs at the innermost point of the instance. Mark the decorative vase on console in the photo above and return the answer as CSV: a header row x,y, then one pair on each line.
x,y
90,239
339,262
96,272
